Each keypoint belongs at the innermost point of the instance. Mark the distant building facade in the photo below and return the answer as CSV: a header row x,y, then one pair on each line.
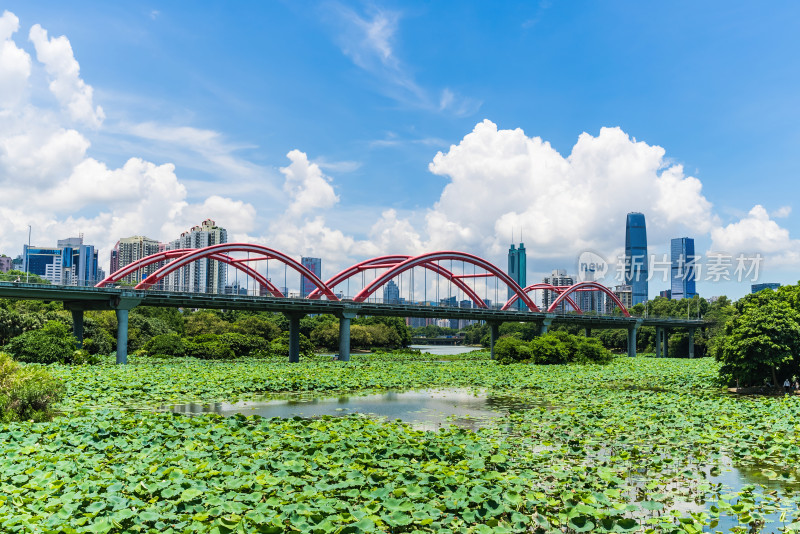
x,y
625,294
131,249
667,294
391,293
69,263
558,277
636,261
755,288
315,266
204,275
5,264
682,268
517,270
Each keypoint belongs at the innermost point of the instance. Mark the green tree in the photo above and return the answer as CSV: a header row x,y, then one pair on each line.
x,y
53,343
760,342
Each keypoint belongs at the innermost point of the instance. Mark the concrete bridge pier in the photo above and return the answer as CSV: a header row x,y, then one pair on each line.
x,y
122,305
77,327
546,322
494,333
632,331
344,334
294,336
691,342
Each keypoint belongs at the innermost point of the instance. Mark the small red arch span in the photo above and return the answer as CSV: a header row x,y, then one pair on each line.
x,y
534,287
431,257
588,286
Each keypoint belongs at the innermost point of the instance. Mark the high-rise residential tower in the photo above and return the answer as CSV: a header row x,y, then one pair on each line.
x,y
391,293
315,266
636,261
204,275
682,268
559,277
517,270
131,249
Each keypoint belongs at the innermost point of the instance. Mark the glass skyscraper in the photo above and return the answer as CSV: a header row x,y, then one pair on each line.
x,y
517,270
315,266
682,268
636,261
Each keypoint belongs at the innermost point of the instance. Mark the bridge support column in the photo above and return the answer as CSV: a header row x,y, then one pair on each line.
x,y
659,335
122,305
666,342
494,333
344,335
77,327
546,322
691,343
587,332
294,336
122,336
632,331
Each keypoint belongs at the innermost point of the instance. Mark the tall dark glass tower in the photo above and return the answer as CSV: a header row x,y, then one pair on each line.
x,y
517,269
682,268
636,261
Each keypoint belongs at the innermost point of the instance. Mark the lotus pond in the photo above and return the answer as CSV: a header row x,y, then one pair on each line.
x,y
640,445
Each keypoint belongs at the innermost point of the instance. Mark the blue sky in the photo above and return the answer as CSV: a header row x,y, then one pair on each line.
x,y
367,94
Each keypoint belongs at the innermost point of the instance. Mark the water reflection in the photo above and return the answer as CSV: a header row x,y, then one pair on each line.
x,y
426,410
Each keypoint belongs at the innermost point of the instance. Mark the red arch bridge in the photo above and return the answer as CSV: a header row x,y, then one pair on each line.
x,y
168,279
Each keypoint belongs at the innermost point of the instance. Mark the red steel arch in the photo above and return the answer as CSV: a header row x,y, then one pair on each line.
x,y
171,254
588,286
207,252
549,287
389,262
410,263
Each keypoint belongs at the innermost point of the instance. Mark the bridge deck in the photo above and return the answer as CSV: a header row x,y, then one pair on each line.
x,y
109,298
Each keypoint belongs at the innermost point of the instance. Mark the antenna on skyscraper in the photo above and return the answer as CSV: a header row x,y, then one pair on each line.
x,y
512,235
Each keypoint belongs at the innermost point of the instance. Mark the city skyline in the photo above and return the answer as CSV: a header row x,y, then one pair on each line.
x,y
348,138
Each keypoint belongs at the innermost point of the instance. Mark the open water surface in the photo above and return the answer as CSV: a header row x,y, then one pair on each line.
x,y
425,410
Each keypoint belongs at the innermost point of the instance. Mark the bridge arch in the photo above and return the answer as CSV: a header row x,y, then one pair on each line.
x,y
213,250
131,268
389,262
588,286
549,287
431,257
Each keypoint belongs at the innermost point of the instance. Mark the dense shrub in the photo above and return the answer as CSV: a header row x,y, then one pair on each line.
x,y
205,338
96,340
166,345
141,329
209,350
326,336
243,344
206,322
26,393
256,325
591,350
552,348
53,343
510,349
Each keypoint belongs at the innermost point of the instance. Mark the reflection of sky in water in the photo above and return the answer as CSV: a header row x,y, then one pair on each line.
x,y
425,410
444,350
431,409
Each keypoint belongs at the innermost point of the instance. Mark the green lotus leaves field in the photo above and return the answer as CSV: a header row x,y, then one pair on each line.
x,y
640,445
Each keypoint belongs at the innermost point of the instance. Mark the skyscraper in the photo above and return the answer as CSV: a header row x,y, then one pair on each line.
x,y
682,268
636,257
315,266
391,293
517,270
